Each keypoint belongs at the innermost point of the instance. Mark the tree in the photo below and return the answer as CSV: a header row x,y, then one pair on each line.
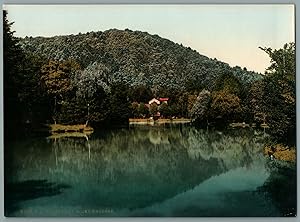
x,y
13,64
99,106
283,70
56,78
258,102
72,111
143,110
183,104
191,101
280,92
93,89
225,106
229,83
119,104
135,109
164,110
153,109
283,62
12,54
25,100
36,109
199,111
140,93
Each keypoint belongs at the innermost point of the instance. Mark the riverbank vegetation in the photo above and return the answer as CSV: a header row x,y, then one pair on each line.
x,y
281,152
108,77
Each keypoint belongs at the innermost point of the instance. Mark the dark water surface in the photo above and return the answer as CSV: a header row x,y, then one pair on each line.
x,y
148,171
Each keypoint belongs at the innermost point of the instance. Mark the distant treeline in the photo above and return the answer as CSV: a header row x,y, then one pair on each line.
x,y
108,77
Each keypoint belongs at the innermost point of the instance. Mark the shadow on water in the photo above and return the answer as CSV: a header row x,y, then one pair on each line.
x,y
15,193
281,186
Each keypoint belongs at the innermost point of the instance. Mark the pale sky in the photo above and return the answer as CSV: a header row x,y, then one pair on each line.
x,y
230,33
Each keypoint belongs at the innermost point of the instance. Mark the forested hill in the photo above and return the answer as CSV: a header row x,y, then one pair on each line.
x,y
137,58
108,77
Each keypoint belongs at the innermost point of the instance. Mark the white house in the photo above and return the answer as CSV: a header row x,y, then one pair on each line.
x,y
158,101
154,101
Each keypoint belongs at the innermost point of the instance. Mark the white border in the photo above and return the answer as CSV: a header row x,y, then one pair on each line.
x,y
212,219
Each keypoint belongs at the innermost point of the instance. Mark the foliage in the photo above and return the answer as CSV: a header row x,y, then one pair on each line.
x,y
164,110
140,93
56,79
119,104
182,104
229,83
138,59
153,109
135,109
56,76
93,78
12,67
190,102
276,98
25,102
225,106
72,111
143,110
258,103
199,111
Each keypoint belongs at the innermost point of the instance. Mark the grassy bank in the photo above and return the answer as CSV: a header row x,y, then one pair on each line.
x,y
158,121
60,128
281,152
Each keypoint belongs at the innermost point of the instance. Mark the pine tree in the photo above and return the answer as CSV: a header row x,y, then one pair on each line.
x,y
13,60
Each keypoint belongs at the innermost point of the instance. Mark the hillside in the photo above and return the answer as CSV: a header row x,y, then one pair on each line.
x,y
138,58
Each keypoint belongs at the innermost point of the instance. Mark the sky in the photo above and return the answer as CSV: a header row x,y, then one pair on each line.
x,y
230,33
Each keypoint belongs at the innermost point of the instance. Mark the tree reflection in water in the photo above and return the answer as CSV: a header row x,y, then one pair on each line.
x,y
128,170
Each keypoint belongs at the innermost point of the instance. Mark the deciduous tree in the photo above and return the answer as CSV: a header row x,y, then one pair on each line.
x,y
225,106
199,111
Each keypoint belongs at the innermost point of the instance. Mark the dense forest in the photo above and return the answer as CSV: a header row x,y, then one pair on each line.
x,y
106,77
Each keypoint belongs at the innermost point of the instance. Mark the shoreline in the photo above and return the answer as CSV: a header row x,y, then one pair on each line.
x,y
62,128
137,121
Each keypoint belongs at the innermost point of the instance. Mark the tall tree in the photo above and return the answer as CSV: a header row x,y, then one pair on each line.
x,y
119,105
164,110
153,109
134,109
56,77
199,111
280,91
225,106
13,60
93,88
143,110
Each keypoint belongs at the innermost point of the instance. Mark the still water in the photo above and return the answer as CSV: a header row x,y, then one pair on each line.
x,y
173,170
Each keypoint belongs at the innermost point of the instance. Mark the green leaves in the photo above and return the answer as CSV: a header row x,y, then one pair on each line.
x,y
277,100
56,76
225,105
201,106
139,59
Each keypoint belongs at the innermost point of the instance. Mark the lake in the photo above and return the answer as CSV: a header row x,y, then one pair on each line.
x,y
167,170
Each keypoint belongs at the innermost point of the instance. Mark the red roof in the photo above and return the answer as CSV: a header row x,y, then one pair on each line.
x,y
163,99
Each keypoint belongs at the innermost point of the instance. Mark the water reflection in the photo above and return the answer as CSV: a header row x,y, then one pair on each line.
x,y
139,170
29,190
281,186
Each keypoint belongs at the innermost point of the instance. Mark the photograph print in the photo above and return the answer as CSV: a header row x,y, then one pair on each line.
x,y
149,110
